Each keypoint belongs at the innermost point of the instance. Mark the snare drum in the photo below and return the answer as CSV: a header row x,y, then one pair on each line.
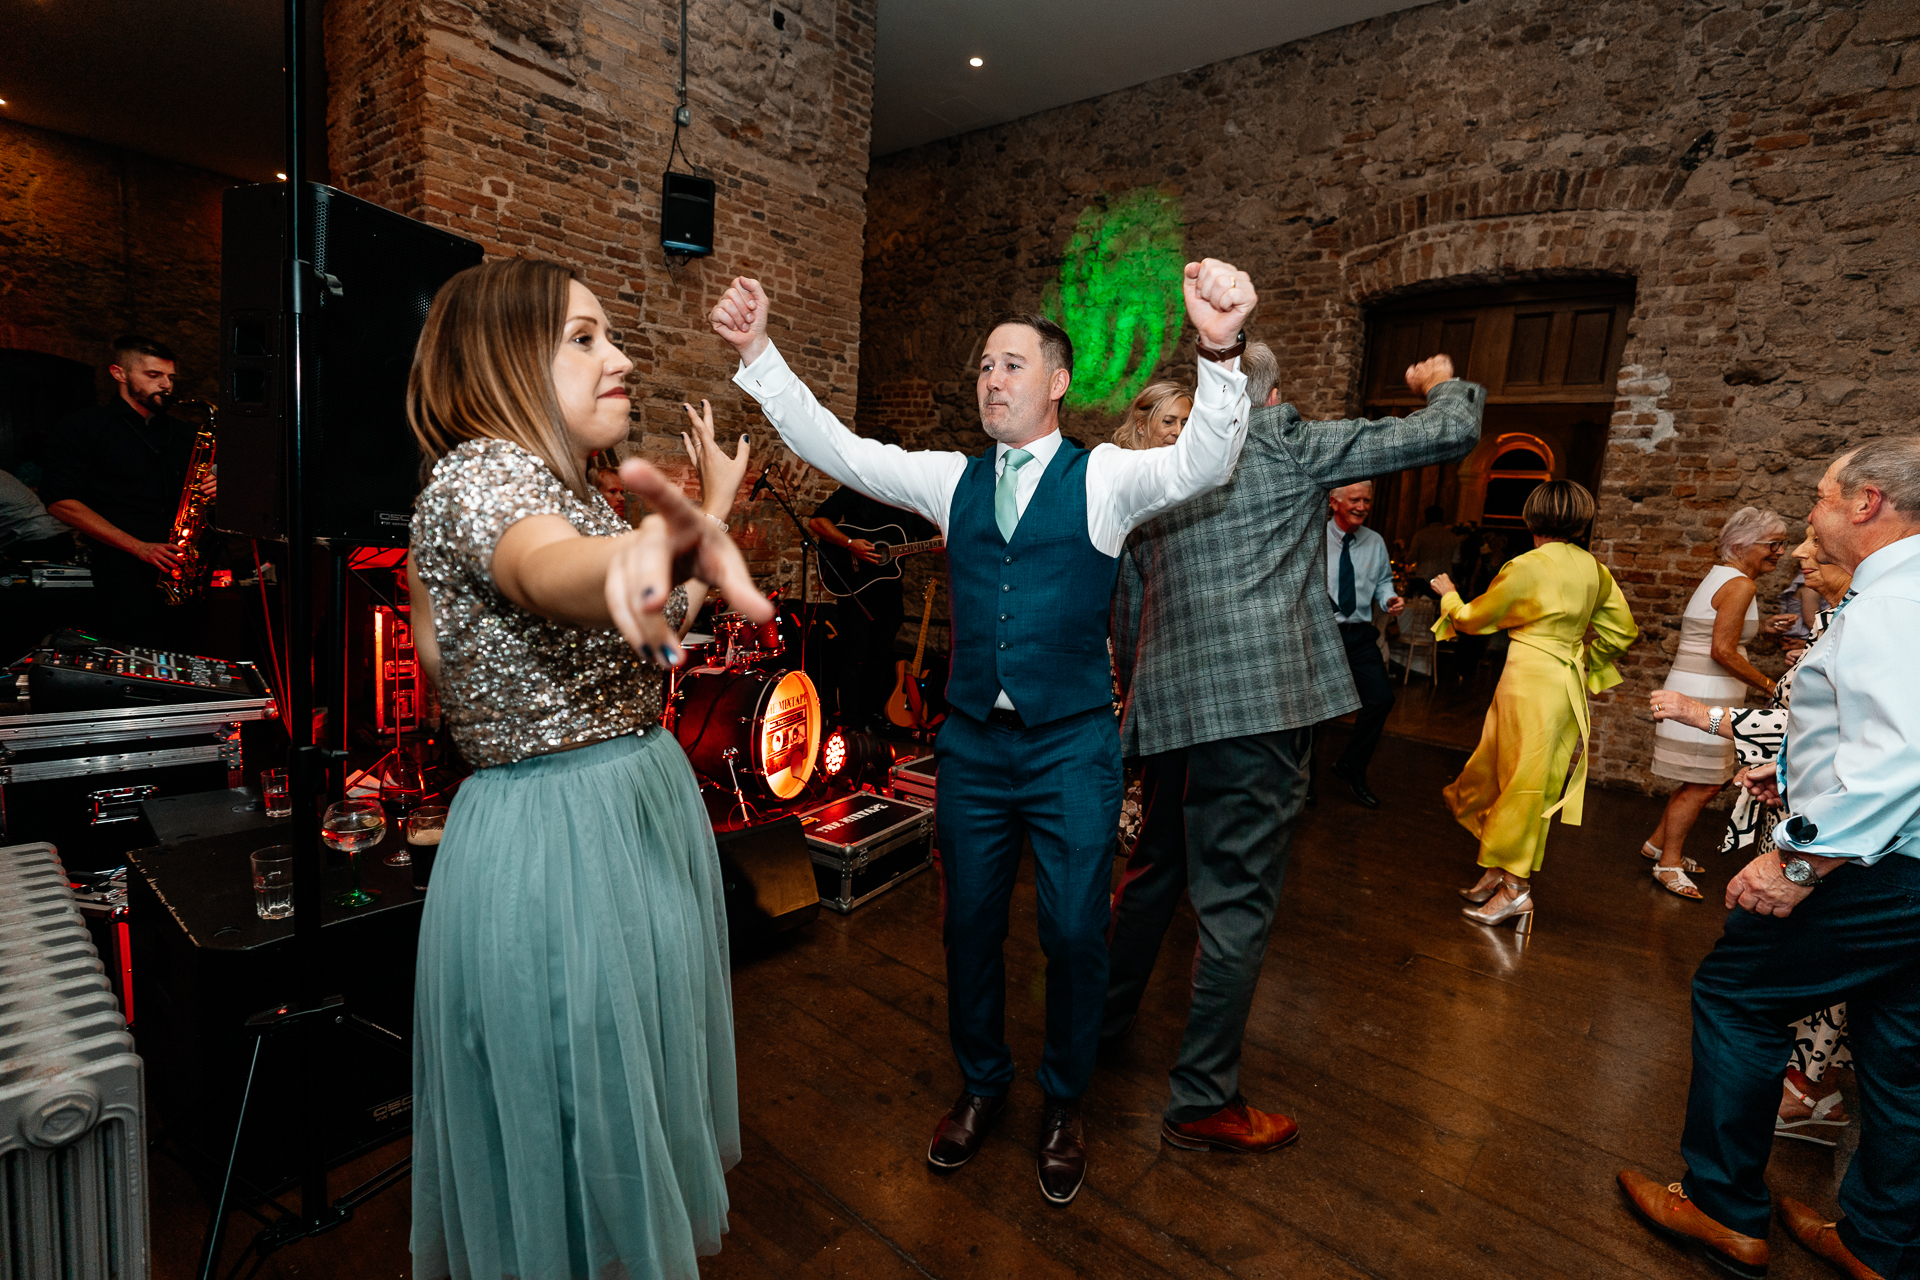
x,y
745,643
762,725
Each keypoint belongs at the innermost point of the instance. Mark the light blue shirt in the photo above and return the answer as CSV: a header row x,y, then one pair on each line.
x,y
1851,761
1372,572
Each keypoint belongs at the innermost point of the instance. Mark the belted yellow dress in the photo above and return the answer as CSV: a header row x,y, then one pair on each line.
x,y
1516,779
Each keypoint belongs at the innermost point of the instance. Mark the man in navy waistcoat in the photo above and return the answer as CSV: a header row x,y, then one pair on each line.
x,y
1034,529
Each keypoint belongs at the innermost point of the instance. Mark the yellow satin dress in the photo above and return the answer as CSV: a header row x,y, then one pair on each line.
x,y
1516,779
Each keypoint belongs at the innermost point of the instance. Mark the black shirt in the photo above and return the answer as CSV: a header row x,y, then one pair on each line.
x,y
126,468
849,507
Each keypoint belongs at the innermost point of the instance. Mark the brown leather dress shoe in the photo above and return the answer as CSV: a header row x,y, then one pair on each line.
x,y
1063,1151
961,1130
1234,1127
1815,1231
1667,1209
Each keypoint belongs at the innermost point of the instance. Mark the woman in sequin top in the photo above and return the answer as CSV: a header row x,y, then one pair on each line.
x,y
574,1093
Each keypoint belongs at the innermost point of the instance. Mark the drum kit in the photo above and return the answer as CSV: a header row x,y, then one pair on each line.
x,y
746,725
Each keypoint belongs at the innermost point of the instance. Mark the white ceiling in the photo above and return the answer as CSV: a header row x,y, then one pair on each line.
x,y
1046,53
199,80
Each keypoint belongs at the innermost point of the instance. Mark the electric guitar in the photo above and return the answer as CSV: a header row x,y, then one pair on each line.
x,y
907,704
845,574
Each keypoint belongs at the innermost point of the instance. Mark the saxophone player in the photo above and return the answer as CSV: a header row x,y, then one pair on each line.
x,y
114,473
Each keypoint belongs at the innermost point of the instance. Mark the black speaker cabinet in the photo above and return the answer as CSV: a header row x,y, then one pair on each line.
x,y
767,876
686,214
379,272
203,962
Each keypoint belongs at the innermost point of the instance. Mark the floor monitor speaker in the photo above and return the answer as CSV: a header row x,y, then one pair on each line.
x,y
378,273
767,875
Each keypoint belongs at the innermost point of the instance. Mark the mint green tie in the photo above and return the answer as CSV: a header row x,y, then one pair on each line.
x,y
1006,509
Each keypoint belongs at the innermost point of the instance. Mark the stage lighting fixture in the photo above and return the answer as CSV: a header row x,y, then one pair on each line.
x,y
833,753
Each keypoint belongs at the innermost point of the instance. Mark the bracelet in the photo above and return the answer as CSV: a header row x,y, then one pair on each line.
x,y
716,519
1714,716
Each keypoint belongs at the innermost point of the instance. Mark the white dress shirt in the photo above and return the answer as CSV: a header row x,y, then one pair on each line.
x,y
1851,761
1372,572
1125,487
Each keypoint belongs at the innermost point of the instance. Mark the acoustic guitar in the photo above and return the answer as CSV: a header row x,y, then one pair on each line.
x,y
907,704
845,574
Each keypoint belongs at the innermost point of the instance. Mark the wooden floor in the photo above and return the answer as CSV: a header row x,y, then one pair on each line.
x,y
1464,1103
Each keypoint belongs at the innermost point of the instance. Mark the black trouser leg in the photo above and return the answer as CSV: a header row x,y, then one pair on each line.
x,y
1362,643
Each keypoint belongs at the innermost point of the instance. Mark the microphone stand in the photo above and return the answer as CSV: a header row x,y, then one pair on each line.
x,y
808,546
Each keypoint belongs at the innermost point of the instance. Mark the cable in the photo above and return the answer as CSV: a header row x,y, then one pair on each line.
x,y
266,619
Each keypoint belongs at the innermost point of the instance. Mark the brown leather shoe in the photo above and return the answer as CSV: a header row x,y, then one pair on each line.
x,y
1667,1209
962,1129
1234,1127
1063,1151
1815,1231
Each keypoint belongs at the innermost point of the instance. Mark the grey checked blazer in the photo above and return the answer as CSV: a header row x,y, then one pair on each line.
x,y
1221,623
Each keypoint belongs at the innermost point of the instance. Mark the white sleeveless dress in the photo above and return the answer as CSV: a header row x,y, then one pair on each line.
x,y
1681,753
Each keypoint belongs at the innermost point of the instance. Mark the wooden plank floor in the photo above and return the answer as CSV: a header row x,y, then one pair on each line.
x,y
1464,1102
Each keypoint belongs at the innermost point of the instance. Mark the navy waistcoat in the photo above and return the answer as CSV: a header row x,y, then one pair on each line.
x,y
1030,614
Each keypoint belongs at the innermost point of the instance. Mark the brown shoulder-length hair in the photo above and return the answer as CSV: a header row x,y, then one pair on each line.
x,y
1558,509
1137,427
484,364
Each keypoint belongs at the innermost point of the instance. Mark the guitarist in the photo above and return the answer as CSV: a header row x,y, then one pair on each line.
x,y
868,622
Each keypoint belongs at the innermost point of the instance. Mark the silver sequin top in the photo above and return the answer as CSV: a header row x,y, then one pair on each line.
x,y
514,684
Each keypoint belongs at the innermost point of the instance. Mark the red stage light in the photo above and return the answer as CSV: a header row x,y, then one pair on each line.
x,y
833,754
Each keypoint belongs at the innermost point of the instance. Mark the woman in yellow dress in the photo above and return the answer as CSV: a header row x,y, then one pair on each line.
x,y
1516,779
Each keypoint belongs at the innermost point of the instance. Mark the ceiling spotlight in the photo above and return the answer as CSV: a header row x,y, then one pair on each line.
x,y
976,62
281,176
3,102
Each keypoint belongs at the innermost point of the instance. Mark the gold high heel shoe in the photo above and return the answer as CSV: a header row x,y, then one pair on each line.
x,y
1489,884
1518,909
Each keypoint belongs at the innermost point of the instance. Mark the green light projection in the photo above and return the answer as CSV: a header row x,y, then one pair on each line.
x,y
1119,295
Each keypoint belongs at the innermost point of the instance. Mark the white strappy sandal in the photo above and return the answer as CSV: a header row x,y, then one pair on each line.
x,y
1674,880
1651,852
1808,1128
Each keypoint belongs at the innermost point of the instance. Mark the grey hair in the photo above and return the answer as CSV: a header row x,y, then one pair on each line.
x,y
1745,527
1262,368
1890,464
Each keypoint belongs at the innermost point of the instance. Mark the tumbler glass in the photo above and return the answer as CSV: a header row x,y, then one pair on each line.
x,y
273,791
273,881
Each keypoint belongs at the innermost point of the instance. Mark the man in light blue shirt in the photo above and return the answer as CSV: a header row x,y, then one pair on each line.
x,y
1831,914
1359,576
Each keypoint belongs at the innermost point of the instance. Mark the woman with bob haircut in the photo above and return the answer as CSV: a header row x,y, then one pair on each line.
x,y
1545,599
575,1107
1156,417
1711,666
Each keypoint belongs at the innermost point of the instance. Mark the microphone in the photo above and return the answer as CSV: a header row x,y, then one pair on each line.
x,y
761,485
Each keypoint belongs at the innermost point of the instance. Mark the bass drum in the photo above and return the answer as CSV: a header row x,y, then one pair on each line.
x,y
765,724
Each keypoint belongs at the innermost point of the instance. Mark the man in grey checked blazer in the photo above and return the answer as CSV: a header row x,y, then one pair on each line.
x,y
1228,655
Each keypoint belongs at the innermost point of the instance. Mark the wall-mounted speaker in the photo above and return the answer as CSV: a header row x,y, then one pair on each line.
x,y
686,214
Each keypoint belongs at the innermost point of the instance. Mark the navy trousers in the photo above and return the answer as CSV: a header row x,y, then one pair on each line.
x,y
1855,938
1058,785
1361,640
1217,824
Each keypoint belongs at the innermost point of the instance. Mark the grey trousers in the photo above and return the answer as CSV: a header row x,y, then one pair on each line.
x,y
1217,823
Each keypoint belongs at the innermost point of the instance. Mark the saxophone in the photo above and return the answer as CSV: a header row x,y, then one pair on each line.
x,y
190,520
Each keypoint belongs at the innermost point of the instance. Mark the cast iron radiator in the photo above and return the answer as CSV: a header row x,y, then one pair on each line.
x,y
73,1178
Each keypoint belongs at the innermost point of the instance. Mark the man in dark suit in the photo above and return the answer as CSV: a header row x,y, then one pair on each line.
x,y
1223,715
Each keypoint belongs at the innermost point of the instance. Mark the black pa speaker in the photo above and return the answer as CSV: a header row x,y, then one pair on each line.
x,y
379,272
766,873
686,214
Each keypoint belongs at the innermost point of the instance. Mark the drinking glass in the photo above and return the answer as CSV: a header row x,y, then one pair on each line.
x,y
424,826
351,826
273,792
273,881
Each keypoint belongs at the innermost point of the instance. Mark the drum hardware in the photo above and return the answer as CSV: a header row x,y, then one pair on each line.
x,y
745,811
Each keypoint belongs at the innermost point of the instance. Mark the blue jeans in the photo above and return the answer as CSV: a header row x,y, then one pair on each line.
x,y
1058,785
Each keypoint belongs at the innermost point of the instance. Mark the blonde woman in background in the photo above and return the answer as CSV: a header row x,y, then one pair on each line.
x,y
1711,666
1156,418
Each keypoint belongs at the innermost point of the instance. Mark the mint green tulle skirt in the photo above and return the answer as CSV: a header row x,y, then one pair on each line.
x,y
575,1106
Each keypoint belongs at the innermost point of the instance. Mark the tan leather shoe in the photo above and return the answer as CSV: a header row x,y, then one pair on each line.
x,y
1815,1231
1667,1209
1235,1127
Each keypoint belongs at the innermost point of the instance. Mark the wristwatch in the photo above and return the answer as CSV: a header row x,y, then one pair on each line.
x,y
1799,871
1714,716
1222,354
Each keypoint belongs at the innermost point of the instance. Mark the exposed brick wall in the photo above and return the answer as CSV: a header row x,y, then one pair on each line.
x,y
541,127
1491,142
97,240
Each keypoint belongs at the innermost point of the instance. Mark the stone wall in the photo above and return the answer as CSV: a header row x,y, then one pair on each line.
x,y
542,127
96,241
1751,167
